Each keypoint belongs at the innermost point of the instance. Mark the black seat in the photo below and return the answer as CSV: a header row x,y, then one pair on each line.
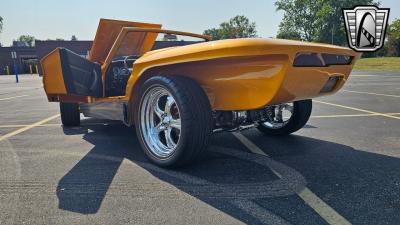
x,y
81,76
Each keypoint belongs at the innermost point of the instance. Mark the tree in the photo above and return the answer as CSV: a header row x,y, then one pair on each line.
x,y
74,38
315,20
300,18
393,38
236,27
30,40
1,24
288,32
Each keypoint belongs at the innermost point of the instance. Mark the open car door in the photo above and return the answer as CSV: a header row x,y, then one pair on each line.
x,y
68,76
67,73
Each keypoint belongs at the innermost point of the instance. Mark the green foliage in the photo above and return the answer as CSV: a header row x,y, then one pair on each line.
x,y
315,20
1,24
392,42
236,27
30,40
286,31
393,38
394,29
379,64
300,18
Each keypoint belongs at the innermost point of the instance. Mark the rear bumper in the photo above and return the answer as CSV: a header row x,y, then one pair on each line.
x,y
244,83
308,82
293,82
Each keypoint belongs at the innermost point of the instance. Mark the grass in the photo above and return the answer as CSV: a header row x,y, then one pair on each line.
x,y
379,64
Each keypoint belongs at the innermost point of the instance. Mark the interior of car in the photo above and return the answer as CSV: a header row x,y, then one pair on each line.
x,y
83,77
117,75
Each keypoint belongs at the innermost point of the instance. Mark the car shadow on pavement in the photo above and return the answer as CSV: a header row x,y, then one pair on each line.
x,y
236,182
362,186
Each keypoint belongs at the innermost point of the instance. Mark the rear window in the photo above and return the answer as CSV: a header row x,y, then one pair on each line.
x,y
172,40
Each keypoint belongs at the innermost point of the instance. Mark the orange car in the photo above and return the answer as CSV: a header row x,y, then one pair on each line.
x,y
177,96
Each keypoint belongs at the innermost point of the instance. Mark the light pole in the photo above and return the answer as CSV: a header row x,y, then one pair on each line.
x,y
14,57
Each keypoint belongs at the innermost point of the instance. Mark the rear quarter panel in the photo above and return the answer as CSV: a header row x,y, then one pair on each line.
x,y
243,73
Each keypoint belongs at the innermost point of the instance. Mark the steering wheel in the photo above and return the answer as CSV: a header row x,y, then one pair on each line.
x,y
126,59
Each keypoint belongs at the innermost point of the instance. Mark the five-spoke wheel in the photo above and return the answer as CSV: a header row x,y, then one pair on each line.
x,y
279,115
173,120
286,118
160,121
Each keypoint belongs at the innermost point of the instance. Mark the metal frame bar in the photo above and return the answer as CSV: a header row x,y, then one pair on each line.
x,y
125,30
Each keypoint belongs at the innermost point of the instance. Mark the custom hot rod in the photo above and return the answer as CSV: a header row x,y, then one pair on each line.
x,y
177,96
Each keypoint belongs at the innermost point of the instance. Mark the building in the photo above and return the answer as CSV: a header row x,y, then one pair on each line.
x,y
45,47
30,56
25,56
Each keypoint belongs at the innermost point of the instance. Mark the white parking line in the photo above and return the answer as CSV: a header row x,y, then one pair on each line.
x,y
364,75
19,96
111,123
23,129
359,75
357,109
258,212
57,125
319,206
353,115
371,93
323,209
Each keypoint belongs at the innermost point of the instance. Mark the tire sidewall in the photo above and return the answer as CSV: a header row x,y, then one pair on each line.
x,y
301,114
178,152
70,115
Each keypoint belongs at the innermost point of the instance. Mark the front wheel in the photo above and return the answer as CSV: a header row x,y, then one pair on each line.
x,y
286,118
173,120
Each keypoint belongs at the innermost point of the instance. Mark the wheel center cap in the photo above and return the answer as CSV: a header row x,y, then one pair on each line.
x,y
167,120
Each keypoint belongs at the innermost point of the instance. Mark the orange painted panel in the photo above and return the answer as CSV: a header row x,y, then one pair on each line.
x,y
53,80
108,31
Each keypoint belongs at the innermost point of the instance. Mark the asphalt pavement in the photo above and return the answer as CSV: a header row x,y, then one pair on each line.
x,y
343,167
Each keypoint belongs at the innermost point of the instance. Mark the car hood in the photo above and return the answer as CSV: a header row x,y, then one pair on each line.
x,y
108,31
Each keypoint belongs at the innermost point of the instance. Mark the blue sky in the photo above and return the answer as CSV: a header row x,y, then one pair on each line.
x,y
64,18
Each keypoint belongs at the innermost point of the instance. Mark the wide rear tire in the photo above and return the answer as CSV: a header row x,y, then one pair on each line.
x,y
70,115
173,120
300,115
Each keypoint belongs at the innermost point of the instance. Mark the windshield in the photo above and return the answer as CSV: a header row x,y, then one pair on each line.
x,y
136,42
171,40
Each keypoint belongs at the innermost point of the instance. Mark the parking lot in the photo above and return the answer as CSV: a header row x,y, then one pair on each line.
x,y
342,168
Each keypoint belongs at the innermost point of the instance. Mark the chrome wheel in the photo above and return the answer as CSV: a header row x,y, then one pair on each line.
x,y
160,122
279,115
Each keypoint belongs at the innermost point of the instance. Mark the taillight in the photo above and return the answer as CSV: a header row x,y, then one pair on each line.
x,y
332,59
311,59
308,60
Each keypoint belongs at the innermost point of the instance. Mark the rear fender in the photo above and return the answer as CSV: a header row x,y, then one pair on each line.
x,y
231,83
